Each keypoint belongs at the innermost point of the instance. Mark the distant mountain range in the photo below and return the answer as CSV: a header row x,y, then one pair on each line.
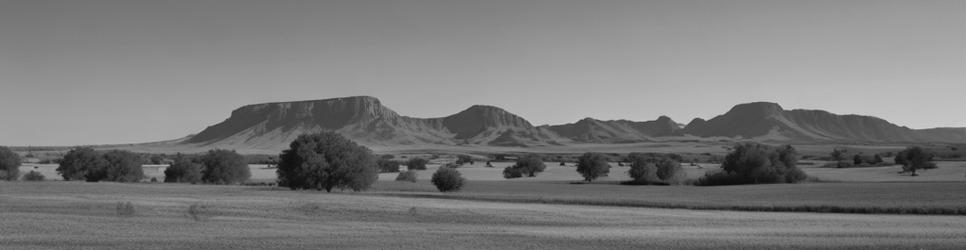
x,y
365,120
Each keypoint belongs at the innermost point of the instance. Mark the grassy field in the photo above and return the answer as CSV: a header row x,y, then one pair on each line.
x,y
77,215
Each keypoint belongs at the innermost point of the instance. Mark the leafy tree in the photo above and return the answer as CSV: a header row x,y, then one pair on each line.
x,y
530,165
183,170
647,169
915,158
753,163
857,159
326,160
877,159
417,164
839,154
121,166
592,165
387,165
512,173
224,167
448,180
80,162
9,164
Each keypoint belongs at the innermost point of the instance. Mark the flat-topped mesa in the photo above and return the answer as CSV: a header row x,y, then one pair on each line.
x,y
330,114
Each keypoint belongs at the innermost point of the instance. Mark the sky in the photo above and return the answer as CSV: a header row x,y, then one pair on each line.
x,y
131,71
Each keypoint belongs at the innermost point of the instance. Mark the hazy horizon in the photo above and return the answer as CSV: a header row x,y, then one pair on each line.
x,y
110,72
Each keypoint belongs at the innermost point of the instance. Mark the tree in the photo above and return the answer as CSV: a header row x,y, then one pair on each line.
x,y
326,160
448,180
857,159
915,158
530,165
387,165
409,176
669,170
512,173
839,154
183,170
416,164
646,169
463,159
754,163
33,176
9,164
79,162
592,165
224,167
121,166
877,159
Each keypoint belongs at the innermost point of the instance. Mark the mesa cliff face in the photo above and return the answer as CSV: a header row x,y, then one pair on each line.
x,y
365,120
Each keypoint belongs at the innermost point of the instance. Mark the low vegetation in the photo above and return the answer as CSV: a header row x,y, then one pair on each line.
x,y
592,165
34,176
325,161
184,169
9,164
754,163
388,165
224,167
528,165
915,158
409,176
83,163
416,164
448,180
647,169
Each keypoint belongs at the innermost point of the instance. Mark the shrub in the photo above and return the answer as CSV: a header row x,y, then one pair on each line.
x,y
78,162
9,164
388,166
120,166
592,165
648,169
224,167
183,170
416,164
530,165
409,176
448,180
915,158
33,176
512,172
125,209
753,163
324,161
464,159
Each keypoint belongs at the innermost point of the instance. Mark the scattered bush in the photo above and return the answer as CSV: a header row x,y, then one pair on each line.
x,y
409,176
915,158
647,169
125,209
120,166
324,161
592,165
448,180
33,176
183,170
387,165
512,173
224,167
9,164
416,164
753,163
529,165
78,162
464,159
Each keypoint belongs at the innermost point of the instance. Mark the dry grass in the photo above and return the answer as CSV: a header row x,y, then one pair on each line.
x,y
76,215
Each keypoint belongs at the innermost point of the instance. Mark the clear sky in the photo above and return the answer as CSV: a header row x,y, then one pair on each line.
x,y
129,71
